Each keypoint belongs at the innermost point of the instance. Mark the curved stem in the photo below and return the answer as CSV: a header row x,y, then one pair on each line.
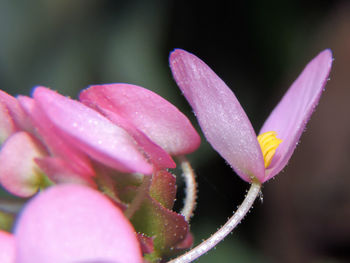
x,y
191,188
212,241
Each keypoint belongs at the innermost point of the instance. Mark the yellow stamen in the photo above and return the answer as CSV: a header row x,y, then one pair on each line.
x,y
268,143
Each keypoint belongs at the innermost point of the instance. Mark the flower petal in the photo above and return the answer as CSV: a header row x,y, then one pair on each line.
x,y
91,132
7,126
292,113
7,247
223,121
73,223
161,121
15,111
53,139
157,155
19,174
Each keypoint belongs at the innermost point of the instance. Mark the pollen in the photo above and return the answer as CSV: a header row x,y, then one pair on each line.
x,y
268,143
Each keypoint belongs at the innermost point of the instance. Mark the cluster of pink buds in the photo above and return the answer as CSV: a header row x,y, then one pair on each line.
x,y
96,170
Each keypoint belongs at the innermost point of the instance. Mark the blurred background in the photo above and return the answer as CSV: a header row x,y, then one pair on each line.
x,y
258,48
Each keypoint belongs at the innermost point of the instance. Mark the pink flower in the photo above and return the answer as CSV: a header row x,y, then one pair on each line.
x,y
71,223
124,127
226,126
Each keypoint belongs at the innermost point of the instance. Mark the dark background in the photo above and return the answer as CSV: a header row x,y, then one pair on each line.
x,y
258,48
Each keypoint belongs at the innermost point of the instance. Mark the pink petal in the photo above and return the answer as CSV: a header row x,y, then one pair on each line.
x,y
292,113
74,223
19,174
7,126
223,121
15,111
161,121
7,247
157,155
92,133
54,140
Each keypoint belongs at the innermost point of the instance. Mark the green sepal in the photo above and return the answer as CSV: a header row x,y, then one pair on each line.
x,y
166,227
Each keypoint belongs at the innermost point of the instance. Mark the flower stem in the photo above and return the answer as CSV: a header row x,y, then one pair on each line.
x,y
212,241
191,188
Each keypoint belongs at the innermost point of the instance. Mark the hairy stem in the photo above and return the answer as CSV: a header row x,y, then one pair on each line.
x,y
191,188
212,241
